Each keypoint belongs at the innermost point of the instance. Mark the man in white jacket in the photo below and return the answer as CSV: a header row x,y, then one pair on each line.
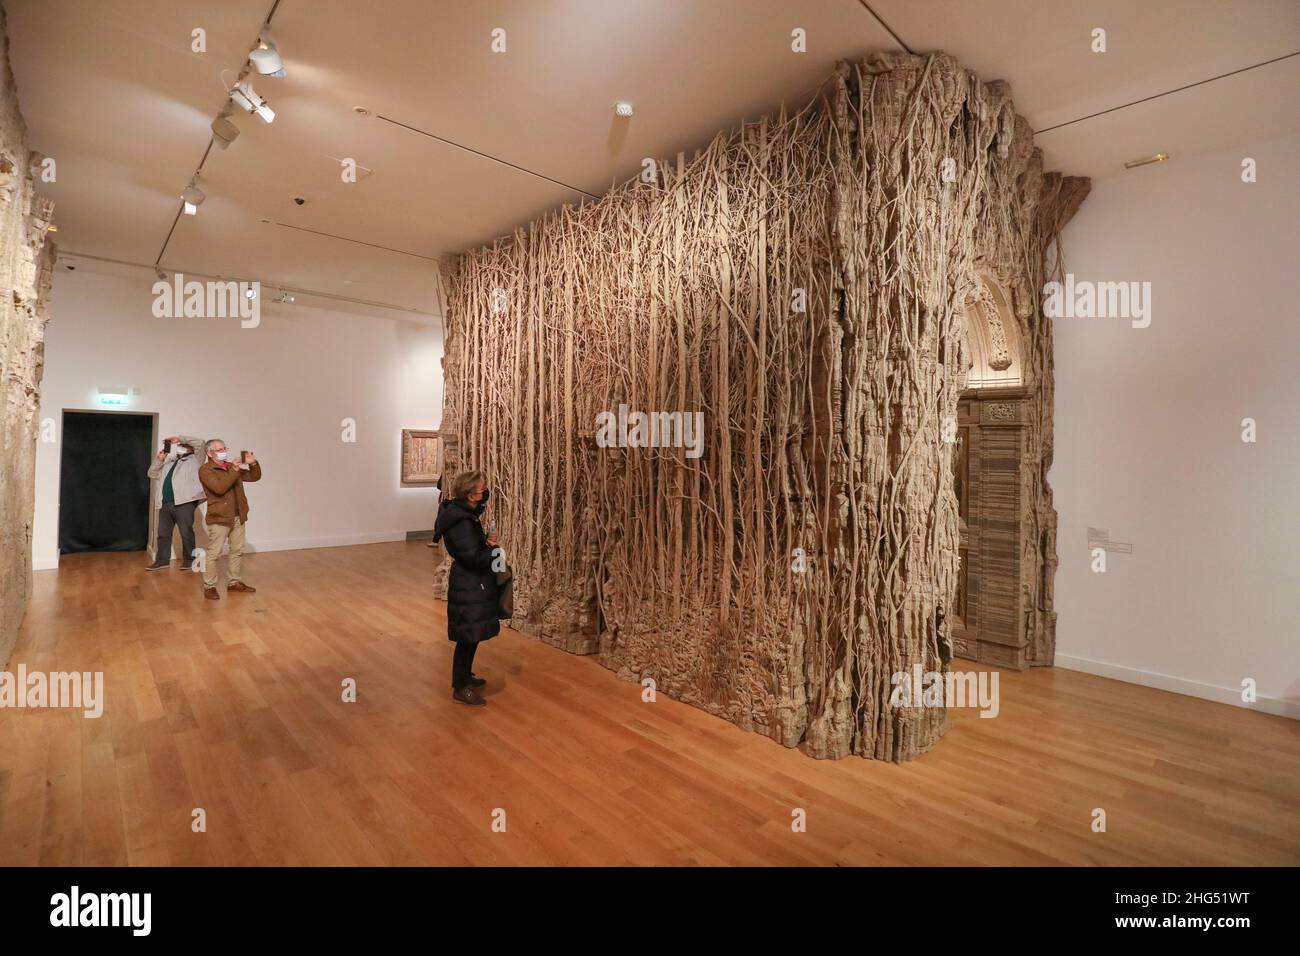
x,y
176,497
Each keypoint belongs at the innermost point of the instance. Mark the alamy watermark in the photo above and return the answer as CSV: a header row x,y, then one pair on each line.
x,y
635,429
78,690
128,910
1084,299
922,688
213,299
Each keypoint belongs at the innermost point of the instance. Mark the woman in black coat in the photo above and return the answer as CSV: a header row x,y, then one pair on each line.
x,y
473,598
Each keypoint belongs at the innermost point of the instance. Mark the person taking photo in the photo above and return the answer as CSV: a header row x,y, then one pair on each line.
x,y
223,481
176,498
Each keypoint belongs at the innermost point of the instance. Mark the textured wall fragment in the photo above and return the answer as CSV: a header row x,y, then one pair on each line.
x,y
803,282
26,264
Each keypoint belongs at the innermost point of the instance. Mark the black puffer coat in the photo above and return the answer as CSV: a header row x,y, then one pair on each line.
x,y
473,600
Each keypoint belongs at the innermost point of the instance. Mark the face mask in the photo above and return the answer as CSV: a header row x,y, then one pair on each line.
x,y
222,455
181,451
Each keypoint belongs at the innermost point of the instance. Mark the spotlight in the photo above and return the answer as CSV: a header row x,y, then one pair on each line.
x,y
265,57
250,292
224,132
193,197
622,109
245,97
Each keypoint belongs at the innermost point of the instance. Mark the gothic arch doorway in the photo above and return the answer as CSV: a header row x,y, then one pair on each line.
x,y
997,619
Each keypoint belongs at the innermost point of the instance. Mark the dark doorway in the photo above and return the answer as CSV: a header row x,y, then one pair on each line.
x,y
104,482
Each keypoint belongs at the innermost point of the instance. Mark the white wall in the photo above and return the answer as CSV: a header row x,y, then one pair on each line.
x,y
1148,432
280,389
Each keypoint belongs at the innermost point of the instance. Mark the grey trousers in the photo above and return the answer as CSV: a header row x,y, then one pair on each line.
x,y
181,516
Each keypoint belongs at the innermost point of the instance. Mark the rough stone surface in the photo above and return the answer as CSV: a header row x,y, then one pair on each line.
x,y
26,262
803,281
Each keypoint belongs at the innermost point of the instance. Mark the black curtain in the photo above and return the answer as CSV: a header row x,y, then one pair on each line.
x,y
104,482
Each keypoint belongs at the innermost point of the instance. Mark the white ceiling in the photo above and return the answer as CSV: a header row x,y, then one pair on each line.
x,y
112,91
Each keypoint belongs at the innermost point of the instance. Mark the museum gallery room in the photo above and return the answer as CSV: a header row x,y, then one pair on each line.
x,y
657,433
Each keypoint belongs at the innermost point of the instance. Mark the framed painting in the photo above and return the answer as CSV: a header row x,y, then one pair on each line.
x,y
421,457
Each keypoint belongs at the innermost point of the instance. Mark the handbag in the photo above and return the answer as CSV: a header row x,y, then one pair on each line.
x,y
505,589
506,593
506,599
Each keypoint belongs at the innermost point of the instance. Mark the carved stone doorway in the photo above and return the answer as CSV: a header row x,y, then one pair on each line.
x,y
992,618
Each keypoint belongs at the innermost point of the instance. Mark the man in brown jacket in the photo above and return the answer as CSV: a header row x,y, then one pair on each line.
x,y
223,482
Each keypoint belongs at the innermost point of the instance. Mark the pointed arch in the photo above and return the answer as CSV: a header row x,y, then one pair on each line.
x,y
993,337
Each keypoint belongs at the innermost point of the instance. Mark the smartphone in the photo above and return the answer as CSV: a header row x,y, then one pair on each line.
x,y
167,446
243,457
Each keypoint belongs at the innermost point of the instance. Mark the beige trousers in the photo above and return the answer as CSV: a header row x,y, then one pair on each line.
x,y
219,534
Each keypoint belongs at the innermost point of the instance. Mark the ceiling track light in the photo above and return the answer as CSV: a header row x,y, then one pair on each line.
x,y
224,132
246,98
193,197
265,57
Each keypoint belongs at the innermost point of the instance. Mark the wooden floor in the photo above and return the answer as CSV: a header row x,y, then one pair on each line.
x,y
235,707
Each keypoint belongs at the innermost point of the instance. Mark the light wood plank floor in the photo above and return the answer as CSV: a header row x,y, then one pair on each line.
x,y
235,707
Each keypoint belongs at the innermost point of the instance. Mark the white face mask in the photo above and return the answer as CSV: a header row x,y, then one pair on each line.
x,y
222,455
180,451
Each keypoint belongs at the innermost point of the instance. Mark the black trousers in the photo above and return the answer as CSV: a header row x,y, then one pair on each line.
x,y
461,664
168,516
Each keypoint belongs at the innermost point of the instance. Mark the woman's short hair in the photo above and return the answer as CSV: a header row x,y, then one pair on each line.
x,y
464,483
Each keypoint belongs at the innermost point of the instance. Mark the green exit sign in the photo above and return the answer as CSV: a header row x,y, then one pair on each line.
x,y
112,401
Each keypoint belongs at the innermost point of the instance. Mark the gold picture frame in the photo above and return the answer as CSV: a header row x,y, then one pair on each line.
x,y
421,456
